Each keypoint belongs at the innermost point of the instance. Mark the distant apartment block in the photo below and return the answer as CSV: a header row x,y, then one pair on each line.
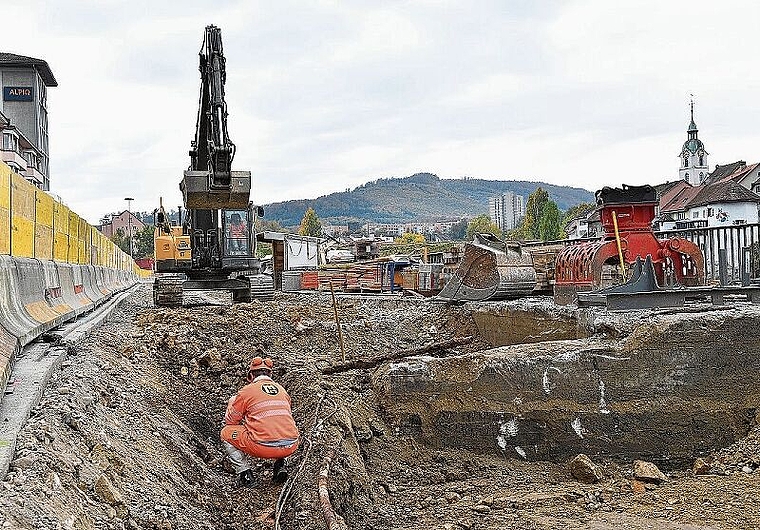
x,y
24,116
506,210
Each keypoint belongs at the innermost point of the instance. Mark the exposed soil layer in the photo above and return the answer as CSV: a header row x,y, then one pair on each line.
x,y
127,434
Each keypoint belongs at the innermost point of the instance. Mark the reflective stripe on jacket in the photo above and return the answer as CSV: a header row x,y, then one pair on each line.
x,y
263,406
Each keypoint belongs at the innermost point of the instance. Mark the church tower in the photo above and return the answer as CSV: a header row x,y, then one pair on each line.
x,y
693,156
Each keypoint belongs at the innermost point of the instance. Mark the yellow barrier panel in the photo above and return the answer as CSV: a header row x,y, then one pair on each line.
x,y
61,232
22,217
33,224
84,242
43,229
5,209
73,255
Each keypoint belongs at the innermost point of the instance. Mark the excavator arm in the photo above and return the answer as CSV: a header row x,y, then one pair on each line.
x,y
212,150
210,183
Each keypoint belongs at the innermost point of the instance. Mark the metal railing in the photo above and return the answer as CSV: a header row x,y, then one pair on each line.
x,y
740,244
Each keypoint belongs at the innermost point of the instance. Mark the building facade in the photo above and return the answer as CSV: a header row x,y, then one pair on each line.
x,y
694,168
506,210
24,82
125,221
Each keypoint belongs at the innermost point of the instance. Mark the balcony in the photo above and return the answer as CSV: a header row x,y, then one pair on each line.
x,y
14,158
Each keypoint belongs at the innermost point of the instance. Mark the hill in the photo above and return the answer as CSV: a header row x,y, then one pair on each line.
x,y
422,197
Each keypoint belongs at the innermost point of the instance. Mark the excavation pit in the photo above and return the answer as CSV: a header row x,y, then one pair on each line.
x,y
473,436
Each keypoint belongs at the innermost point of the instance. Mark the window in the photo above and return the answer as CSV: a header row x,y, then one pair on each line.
x,y
695,214
701,160
10,142
710,212
685,160
686,177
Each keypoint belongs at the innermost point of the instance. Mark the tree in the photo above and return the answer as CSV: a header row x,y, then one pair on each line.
x,y
579,210
120,240
143,243
482,224
411,238
549,227
459,229
521,233
534,210
310,224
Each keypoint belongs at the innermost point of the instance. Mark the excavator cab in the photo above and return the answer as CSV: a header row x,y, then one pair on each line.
x,y
236,230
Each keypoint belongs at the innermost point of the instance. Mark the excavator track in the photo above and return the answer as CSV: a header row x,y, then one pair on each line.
x,y
167,291
261,287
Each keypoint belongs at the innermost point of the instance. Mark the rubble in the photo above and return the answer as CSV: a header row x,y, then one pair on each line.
x,y
648,472
582,468
132,441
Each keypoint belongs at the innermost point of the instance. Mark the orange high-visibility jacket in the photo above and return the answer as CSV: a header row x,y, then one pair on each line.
x,y
238,231
263,407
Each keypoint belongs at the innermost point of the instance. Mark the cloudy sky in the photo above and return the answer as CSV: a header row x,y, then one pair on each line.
x,y
326,95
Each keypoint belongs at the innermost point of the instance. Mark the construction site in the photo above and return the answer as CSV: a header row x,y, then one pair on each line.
x,y
601,383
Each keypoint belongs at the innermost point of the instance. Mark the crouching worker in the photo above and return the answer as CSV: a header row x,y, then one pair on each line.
x,y
259,424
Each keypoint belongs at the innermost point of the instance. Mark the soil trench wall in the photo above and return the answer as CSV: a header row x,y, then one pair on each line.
x,y
676,386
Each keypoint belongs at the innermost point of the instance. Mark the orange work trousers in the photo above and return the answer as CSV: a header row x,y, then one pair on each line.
x,y
238,436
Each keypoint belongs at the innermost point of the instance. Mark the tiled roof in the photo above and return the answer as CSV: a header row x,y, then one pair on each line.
x,y
662,189
11,59
678,197
721,172
727,191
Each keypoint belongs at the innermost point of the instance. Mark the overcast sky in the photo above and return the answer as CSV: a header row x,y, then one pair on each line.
x,y
327,95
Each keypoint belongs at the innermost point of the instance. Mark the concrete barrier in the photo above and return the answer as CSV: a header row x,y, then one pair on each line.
x,y
34,294
101,281
72,289
91,289
8,348
54,291
13,316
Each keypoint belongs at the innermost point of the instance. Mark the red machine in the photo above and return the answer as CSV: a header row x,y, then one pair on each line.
x,y
626,216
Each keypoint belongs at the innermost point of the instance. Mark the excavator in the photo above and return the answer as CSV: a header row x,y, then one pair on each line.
x,y
213,247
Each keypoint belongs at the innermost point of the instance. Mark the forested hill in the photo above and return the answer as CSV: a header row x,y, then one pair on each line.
x,y
421,197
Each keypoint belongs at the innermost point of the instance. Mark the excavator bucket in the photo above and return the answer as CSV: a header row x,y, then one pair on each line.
x,y
200,193
491,270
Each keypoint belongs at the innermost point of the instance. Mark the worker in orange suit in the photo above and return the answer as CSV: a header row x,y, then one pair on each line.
x,y
259,423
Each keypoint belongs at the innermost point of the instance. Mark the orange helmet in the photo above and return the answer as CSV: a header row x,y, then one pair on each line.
x,y
261,363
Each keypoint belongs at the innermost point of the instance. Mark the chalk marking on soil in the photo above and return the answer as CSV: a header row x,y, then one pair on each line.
x,y
545,383
602,402
577,427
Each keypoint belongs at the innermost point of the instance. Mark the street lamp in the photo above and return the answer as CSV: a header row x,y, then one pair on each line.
x,y
129,223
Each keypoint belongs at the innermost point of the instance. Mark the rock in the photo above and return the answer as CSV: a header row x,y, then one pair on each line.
x,y
648,472
107,492
25,462
72,421
747,469
584,470
638,487
452,497
392,488
481,508
701,467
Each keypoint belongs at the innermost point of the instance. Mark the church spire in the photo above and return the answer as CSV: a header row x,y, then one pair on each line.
x,y
694,168
692,125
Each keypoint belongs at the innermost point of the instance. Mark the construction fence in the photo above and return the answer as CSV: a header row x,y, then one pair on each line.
x,y
35,225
